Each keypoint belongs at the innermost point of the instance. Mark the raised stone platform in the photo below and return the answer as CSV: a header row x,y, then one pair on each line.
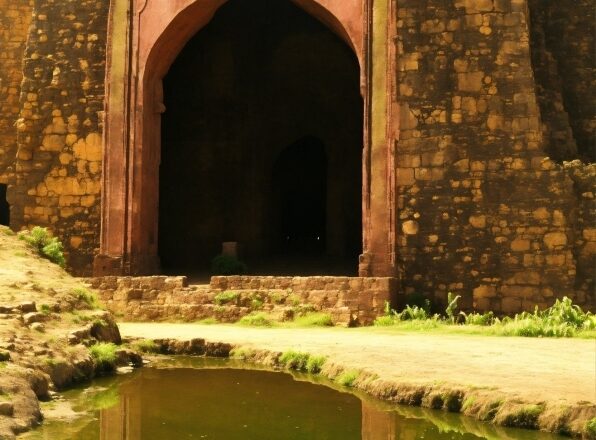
x,y
349,300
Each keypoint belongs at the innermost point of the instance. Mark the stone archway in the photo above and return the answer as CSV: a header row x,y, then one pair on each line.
x,y
145,38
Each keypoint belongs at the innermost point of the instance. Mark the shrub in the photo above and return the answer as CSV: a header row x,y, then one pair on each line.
x,y
104,355
256,320
314,320
591,427
226,297
45,309
256,304
146,346
46,246
227,265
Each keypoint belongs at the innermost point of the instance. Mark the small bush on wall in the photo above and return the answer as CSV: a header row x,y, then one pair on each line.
x,y
46,246
227,265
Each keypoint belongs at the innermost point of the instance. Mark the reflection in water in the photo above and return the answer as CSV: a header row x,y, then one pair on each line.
x,y
229,404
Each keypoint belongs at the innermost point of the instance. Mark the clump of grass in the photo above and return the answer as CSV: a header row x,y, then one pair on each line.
x,y
256,320
104,355
87,297
294,360
299,361
563,319
241,353
481,319
45,309
525,417
46,246
314,320
146,346
277,297
347,378
256,304
314,365
226,297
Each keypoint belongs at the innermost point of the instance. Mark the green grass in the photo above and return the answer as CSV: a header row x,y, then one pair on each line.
x,y
314,365
146,346
87,297
207,321
314,319
256,320
563,319
104,355
591,427
226,297
299,361
347,378
45,309
46,246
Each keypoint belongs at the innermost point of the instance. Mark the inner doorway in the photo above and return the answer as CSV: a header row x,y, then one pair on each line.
x,y
262,145
4,207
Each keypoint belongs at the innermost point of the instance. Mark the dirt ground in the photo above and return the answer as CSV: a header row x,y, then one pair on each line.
x,y
551,370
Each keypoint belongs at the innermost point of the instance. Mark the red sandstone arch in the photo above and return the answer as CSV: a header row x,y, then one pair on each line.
x,y
155,35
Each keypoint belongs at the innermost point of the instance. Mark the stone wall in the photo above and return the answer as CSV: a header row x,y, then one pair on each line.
x,y
485,95
349,301
482,212
15,18
57,178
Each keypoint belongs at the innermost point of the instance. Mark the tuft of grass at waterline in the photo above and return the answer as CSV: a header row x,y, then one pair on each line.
x,y
299,361
525,417
256,320
104,355
347,378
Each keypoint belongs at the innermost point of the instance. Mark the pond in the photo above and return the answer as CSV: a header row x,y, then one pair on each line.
x,y
208,399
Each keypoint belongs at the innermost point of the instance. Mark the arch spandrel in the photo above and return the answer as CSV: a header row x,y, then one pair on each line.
x,y
165,27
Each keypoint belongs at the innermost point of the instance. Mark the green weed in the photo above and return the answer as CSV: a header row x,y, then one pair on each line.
x,y
46,246
314,320
256,320
146,346
104,355
591,427
87,297
347,378
226,297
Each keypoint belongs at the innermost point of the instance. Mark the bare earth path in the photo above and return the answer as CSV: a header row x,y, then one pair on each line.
x,y
551,370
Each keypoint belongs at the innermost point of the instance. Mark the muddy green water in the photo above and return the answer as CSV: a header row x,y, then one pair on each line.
x,y
198,399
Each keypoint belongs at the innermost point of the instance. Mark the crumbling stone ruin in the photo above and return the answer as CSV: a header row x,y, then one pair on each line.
x,y
451,141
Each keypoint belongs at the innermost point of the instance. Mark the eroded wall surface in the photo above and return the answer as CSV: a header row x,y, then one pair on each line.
x,y
58,168
483,212
15,18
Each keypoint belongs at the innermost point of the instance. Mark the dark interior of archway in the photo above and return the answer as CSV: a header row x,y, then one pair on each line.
x,y
262,145
4,207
